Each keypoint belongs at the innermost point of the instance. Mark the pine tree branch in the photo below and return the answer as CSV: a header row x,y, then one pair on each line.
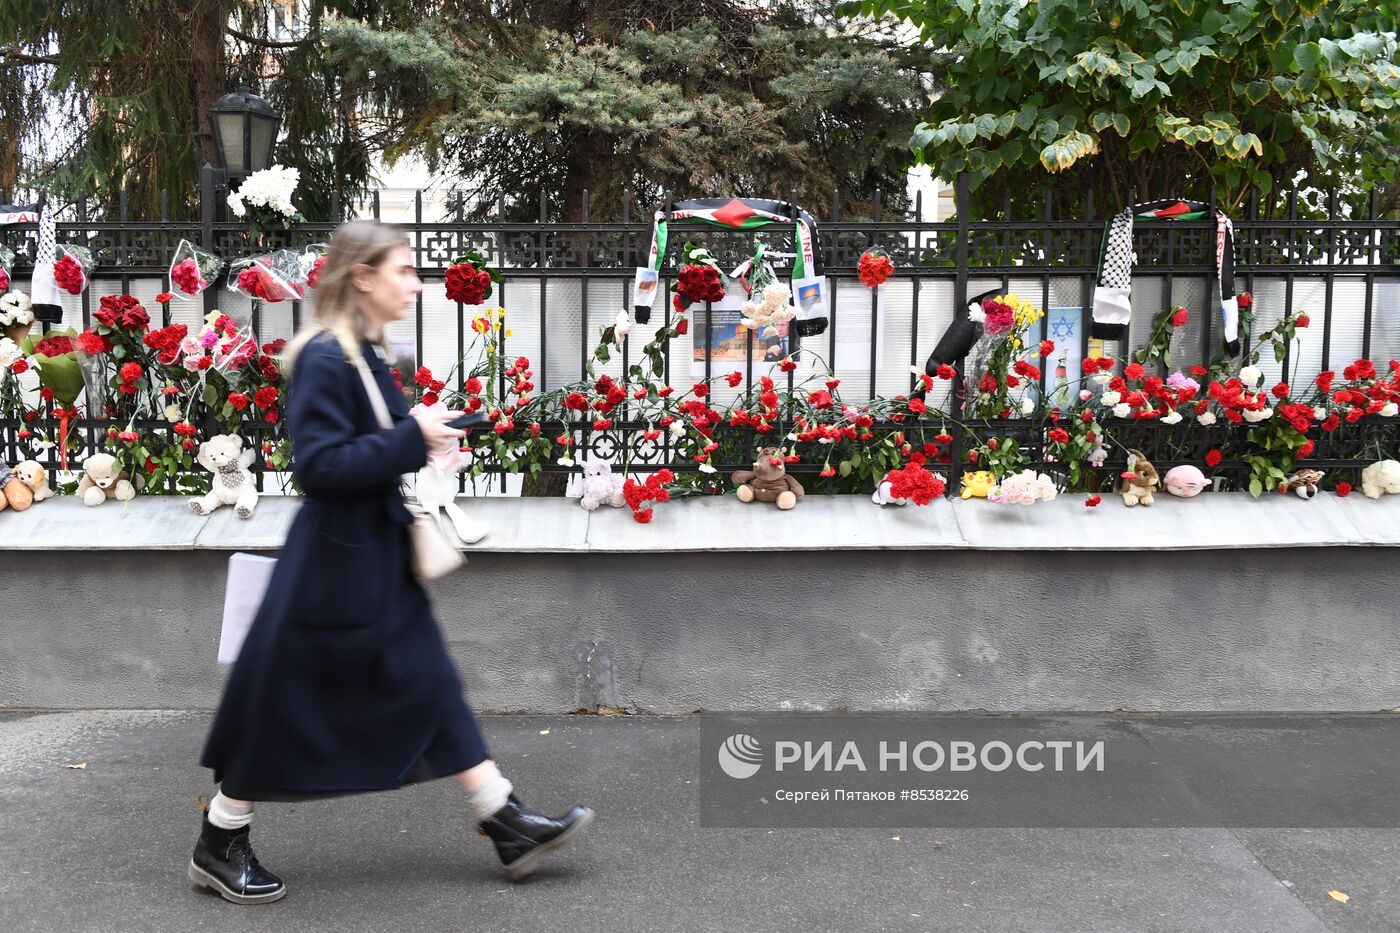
x,y
264,43
25,58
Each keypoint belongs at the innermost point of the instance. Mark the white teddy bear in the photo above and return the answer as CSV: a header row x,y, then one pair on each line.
x,y
224,456
1381,477
436,484
598,485
883,495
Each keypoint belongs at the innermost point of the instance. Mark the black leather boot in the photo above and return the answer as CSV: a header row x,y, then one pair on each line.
x,y
224,862
521,835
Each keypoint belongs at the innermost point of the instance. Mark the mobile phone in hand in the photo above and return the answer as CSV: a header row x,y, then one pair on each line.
x,y
470,420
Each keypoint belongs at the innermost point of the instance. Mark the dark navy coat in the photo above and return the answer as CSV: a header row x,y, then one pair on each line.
x,y
344,682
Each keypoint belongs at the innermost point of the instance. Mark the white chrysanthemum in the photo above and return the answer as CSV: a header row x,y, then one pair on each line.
x,y
1206,418
1027,406
1251,375
15,308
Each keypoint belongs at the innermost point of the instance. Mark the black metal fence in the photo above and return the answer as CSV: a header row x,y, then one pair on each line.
x,y
565,280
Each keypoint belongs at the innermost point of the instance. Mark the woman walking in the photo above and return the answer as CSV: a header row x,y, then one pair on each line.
x,y
343,684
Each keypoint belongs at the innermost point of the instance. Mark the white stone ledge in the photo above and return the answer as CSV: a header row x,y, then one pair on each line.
x,y
819,523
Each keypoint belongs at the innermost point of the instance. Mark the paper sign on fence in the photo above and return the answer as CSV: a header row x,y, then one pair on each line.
x,y
248,576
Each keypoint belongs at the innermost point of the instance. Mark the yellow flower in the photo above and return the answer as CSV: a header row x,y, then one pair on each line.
x,y
507,331
497,325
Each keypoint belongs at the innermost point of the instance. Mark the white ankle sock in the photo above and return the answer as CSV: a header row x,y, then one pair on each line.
x,y
226,814
491,794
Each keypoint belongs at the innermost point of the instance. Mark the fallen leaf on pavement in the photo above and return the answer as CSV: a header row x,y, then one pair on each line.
x,y
1339,896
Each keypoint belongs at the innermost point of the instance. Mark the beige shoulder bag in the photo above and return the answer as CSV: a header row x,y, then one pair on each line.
x,y
433,554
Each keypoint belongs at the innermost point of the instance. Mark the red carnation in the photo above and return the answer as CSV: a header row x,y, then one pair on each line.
x,y
93,343
1092,501
1047,347
265,397
1133,371
186,277
915,483
1213,457
1344,489
1059,436
238,400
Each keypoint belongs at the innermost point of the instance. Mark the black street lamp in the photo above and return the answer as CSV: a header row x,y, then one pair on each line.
x,y
245,130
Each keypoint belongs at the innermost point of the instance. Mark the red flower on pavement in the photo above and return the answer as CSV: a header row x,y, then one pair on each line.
x,y
1344,489
1092,501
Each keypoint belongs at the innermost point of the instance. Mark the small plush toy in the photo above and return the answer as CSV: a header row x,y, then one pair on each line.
x,y
1380,477
599,486
13,493
768,481
436,483
978,484
883,496
102,481
1185,481
224,456
35,479
1138,480
1303,482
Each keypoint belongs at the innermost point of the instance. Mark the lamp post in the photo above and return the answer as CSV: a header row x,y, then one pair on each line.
x,y
245,131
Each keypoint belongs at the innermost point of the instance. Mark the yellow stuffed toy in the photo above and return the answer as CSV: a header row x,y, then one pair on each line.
x,y
977,484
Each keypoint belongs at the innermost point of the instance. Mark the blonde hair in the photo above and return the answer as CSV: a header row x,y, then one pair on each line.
x,y
338,310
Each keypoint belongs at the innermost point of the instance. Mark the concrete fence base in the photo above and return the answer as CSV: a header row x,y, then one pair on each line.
x,y
945,627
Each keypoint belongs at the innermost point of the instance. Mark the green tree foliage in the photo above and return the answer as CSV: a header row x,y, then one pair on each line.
x,y
1167,97
714,97
99,96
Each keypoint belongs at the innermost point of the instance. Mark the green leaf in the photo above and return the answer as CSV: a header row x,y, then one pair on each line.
x,y
1308,56
1100,120
844,468
211,395
1256,488
1121,124
1255,91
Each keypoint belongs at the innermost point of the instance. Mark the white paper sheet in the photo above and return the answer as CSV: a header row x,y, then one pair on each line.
x,y
248,576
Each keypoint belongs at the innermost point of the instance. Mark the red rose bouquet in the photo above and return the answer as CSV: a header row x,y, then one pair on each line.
x,y
271,277
469,280
875,267
71,271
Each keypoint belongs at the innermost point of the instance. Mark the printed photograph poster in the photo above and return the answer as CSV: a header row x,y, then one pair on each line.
x,y
726,344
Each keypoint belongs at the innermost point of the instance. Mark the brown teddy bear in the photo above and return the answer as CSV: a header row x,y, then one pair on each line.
x,y
768,481
102,481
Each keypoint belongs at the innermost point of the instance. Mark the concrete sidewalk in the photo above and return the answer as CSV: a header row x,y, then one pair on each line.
x,y
104,848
